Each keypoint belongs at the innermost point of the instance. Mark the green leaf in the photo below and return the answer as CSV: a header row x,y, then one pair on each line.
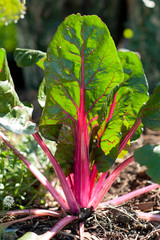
x,y
150,112
11,10
134,78
81,57
126,99
14,115
131,95
28,57
149,156
113,130
79,43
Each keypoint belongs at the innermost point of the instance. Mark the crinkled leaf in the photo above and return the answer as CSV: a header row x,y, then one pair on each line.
x,y
81,55
14,115
110,139
28,57
129,96
149,156
135,79
150,112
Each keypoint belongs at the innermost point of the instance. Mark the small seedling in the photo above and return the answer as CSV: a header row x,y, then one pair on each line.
x,y
95,101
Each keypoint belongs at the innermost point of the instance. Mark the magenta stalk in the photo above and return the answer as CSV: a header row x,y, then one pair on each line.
x,y
130,134
58,226
148,216
65,186
97,198
128,196
81,160
37,212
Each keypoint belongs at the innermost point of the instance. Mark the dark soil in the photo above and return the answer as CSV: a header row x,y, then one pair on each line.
x,y
114,223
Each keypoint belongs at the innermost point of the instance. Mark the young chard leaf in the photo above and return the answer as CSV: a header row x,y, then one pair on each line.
x,y
14,116
149,156
28,57
81,56
121,108
150,112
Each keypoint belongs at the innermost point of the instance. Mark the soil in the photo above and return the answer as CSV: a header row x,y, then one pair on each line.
x,y
114,223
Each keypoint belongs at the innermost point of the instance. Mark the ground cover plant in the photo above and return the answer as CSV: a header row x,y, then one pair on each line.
x,y
95,101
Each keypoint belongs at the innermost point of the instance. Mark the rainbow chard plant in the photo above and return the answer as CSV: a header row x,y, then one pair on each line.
x,y
95,101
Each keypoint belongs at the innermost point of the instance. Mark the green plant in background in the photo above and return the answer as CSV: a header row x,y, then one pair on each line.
x,y
145,22
12,11
15,178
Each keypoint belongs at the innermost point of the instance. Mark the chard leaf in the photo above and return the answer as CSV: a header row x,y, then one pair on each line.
x,y
28,57
82,55
14,115
130,95
134,78
149,156
150,112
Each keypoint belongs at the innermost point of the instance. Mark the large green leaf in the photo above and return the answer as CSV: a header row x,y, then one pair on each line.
x,y
131,94
149,156
28,57
14,115
81,55
150,112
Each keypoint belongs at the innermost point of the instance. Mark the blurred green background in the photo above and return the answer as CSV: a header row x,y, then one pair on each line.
x,y
134,24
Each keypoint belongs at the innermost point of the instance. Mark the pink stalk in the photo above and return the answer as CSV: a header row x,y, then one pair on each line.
x,y
148,216
37,212
93,178
128,196
81,167
66,189
58,226
81,230
70,180
37,174
112,107
97,197
7,224
129,134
